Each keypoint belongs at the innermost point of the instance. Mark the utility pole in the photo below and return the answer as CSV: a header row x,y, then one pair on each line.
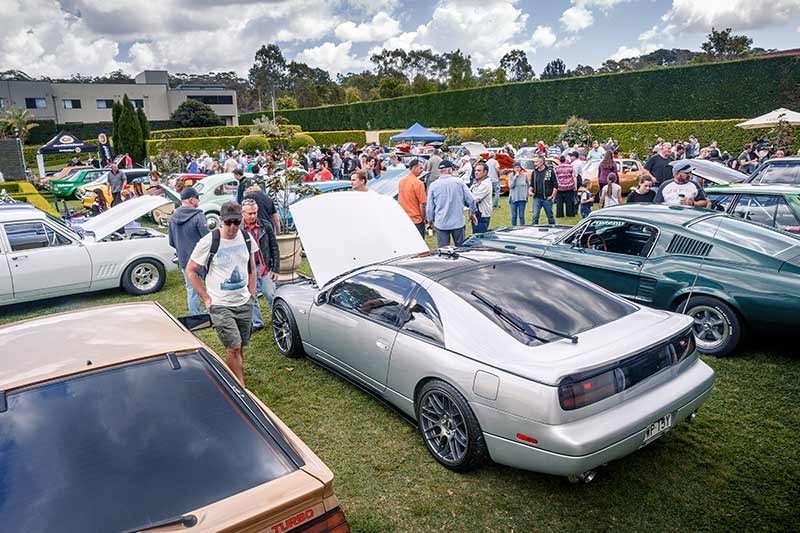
x,y
273,103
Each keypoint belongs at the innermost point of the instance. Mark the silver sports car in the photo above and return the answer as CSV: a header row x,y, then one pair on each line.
x,y
493,355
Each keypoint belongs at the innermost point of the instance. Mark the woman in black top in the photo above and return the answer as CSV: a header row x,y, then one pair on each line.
x,y
642,194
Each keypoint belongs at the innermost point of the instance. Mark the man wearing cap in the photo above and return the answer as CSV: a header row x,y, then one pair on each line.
x,y
682,190
411,195
187,226
447,197
230,283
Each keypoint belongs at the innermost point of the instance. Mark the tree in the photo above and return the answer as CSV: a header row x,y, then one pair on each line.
x,y
268,72
130,132
391,87
145,126
196,114
581,70
576,131
116,111
721,45
285,102
351,95
18,122
516,64
459,70
422,85
554,69
491,76
391,63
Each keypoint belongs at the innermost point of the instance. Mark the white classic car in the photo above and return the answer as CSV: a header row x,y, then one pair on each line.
x,y
41,257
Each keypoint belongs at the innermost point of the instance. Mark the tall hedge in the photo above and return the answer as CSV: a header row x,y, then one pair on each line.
x,y
743,88
130,132
210,131
327,138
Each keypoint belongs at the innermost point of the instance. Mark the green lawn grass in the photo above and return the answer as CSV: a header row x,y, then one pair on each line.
x,y
735,468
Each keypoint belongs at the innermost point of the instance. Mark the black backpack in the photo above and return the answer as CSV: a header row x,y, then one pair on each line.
x,y
215,237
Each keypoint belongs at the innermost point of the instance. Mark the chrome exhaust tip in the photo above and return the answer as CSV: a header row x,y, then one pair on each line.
x,y
586,477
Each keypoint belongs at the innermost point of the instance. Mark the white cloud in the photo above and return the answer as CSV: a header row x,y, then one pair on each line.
x,y
373,6
334,58
381,27
543,37
624,52
566,41
694,16
650,34
576,18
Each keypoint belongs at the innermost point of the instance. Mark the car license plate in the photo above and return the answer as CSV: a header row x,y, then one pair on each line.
x,y
657,428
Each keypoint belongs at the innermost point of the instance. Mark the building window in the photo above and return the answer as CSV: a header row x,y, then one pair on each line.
x,y
105,104
72,104
138,103
213,99
35,103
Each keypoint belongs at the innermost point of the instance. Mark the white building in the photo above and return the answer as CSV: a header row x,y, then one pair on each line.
x,y
91,102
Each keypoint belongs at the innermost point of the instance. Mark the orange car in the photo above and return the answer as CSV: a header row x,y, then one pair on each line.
x,y
628,170
153,429
506,162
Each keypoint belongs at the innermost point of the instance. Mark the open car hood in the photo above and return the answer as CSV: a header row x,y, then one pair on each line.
x,y
118,216
474,148
348,230
714,172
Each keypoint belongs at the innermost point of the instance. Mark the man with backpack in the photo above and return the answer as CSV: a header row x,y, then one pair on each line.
x,y
228,255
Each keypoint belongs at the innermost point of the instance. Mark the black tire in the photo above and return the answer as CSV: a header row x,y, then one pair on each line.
x,y
717,327
284,330
463,448
144,276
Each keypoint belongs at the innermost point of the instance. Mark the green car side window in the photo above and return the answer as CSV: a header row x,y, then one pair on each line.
x,y
757,208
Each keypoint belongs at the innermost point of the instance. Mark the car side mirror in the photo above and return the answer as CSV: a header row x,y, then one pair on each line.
x,y
321,298
196,322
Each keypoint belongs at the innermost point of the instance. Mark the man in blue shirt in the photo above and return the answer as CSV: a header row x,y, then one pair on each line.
x,y
447,197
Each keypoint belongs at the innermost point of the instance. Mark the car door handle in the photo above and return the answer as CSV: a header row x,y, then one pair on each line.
x,y
510,247
635,263
19,257
381,345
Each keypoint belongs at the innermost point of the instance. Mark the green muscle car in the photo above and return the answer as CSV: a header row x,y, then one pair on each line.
x,y
67,187
771,205
728,273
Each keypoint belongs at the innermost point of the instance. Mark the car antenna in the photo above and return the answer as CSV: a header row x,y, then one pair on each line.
x,y
700,267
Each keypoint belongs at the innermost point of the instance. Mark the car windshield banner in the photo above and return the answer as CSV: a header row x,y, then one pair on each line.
x,y
105,148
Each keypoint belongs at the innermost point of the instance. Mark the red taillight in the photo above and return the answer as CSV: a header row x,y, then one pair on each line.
x,y
331,522
573,395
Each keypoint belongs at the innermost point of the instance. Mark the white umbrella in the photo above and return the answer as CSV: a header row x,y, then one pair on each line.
x,y
771,119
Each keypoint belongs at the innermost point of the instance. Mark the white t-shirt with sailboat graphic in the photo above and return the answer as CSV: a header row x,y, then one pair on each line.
x,y
226,280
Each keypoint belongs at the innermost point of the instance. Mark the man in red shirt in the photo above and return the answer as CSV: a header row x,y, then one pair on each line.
x,y
324,173
412,197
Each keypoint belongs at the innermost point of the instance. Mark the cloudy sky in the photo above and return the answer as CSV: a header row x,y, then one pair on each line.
x,y
59,37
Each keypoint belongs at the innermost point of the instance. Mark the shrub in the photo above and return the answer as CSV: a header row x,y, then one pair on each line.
x,y
708,91
145,128
195,144
191,133
265,126
130,132
249,144
301,140
195,114
576,131
327,138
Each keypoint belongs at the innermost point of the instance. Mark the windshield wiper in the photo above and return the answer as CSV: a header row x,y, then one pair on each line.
x,y
519,324
187,520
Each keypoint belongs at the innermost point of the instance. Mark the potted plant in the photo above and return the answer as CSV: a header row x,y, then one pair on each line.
x,y
285,187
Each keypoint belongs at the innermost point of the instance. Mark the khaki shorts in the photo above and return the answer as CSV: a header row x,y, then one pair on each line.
x,y
232,324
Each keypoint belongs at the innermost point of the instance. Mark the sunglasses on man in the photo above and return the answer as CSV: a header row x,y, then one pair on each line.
x,y
234,222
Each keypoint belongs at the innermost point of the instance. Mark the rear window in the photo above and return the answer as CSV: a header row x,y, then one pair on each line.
x,y
539,294
122,448
778,174
746,234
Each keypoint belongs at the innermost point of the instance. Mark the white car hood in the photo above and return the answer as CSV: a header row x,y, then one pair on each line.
x,y
115,218
349,230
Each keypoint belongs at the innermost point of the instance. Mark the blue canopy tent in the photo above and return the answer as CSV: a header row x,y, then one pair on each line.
x,y
417,133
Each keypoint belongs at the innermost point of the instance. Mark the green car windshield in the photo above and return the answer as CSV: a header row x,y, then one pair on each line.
x,y
747,235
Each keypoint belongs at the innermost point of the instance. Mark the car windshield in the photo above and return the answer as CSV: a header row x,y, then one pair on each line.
x,y
746,234
63,225
778,174
121,448
541,294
